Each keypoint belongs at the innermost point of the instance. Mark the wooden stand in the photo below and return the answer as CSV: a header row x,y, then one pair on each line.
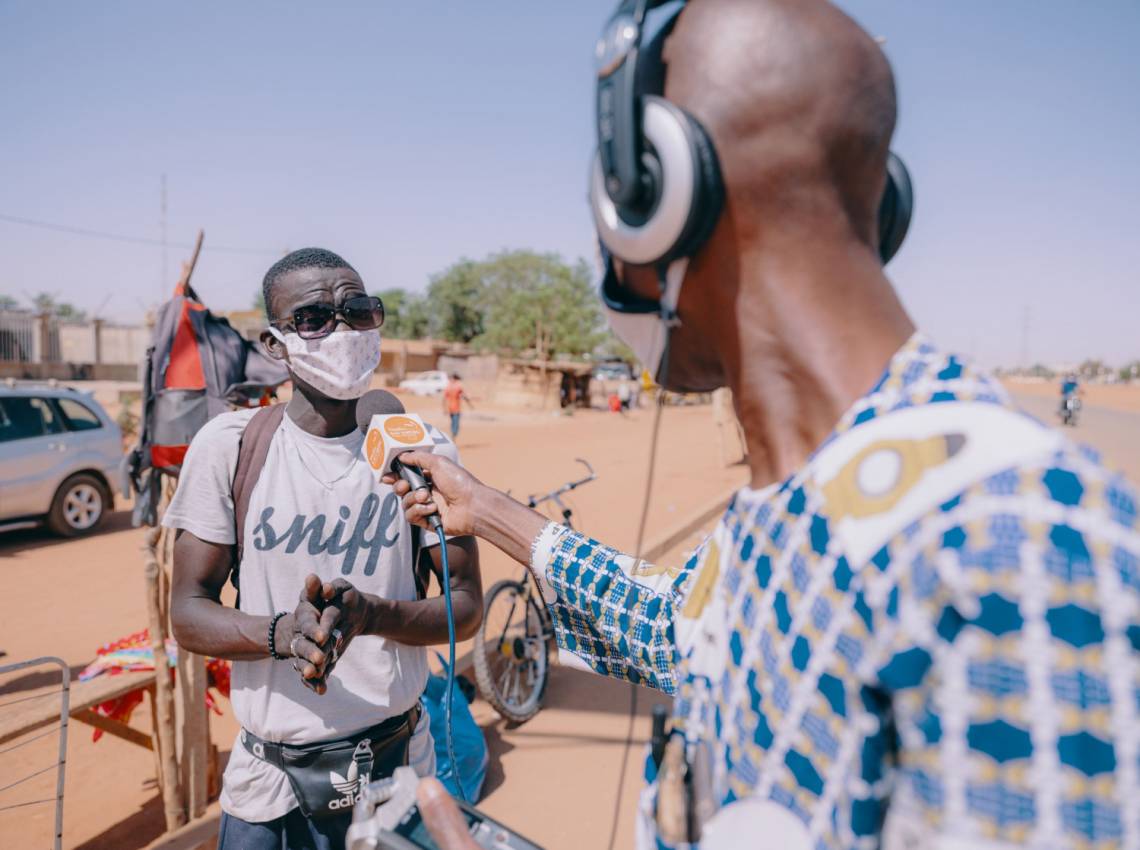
x,y
173,804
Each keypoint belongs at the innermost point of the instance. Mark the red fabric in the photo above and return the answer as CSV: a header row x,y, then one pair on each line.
x,y
164,456
121,708
615,403
185,369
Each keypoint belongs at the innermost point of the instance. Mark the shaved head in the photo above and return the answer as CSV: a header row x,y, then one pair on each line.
x,y
800,105
798,99
786,301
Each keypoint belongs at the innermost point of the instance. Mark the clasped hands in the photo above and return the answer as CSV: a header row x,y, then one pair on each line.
x,y
317,634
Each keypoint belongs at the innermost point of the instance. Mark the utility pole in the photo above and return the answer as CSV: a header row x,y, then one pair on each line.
x,y
163,283
1025,320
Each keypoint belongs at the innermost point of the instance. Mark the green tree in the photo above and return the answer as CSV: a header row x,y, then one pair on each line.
x,y
45,302
406,314
7,302
536,302
456,299
1091,369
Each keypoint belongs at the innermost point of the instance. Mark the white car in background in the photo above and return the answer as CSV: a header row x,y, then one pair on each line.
x,y
425,383
59,452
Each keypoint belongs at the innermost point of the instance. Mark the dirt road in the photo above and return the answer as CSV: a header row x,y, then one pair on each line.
x,y
1113,431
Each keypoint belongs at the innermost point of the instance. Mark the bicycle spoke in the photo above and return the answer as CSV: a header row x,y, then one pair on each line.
x,y
507,624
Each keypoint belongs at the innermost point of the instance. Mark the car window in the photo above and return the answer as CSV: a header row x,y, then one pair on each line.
x,y
77,416
27,417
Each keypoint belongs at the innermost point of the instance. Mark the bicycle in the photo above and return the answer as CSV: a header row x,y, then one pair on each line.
x,y
512,666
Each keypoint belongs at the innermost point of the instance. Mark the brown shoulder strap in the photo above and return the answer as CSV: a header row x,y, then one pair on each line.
x,y
252,451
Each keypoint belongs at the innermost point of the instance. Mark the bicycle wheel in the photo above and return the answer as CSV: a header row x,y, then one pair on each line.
x,y
510,652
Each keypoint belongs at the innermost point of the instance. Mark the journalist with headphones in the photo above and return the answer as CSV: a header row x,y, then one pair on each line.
x,y
919,624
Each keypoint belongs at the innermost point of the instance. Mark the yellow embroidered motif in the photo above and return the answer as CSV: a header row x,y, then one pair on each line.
x,y
877,478
644,569
702,590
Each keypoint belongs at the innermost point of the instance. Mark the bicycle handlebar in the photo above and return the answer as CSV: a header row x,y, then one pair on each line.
x,y
553,495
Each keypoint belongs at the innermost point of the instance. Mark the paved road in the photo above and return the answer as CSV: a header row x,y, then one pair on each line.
x,y
1112,432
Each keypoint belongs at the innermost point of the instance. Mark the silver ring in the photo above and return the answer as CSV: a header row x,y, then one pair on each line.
x,y
337,637
293,646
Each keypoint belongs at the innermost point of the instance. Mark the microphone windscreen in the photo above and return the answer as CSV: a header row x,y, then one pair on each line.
x,y
376,403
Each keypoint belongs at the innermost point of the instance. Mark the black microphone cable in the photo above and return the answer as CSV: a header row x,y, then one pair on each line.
x,y
633,686
662,378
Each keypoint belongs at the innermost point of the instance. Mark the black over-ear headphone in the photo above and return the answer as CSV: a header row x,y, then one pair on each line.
x,y
655,188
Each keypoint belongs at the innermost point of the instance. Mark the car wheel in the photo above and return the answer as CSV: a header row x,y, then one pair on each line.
x,y
79,506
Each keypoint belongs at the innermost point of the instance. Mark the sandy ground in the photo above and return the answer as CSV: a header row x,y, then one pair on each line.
x,y
1122,398
83,593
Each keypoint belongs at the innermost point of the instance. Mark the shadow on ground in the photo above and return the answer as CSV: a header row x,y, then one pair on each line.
x,y
38,679
26,540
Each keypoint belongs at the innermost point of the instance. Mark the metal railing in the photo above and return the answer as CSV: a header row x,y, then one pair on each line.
x,y
19,336
61,762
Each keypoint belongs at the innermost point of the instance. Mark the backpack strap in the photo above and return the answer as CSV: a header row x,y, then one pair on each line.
x,y
253,448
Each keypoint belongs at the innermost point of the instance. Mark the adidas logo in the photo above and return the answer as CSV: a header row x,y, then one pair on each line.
x,y
351,785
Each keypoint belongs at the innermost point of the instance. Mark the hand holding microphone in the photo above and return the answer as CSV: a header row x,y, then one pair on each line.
x,y
450,493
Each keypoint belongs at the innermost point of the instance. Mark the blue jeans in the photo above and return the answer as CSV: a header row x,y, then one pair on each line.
x,y
454,425
294,831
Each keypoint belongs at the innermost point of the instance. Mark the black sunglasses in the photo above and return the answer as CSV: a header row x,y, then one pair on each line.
x,y
361,313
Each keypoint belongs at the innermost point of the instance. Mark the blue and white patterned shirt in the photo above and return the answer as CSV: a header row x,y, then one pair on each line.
x,y
927,637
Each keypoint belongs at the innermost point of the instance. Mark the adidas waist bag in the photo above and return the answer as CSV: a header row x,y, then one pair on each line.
x,y
329,777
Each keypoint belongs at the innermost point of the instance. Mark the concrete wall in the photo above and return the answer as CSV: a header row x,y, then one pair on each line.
x,y
77,342
69,371
46,340
124,343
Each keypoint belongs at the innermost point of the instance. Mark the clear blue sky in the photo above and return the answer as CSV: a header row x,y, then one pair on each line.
x,y
407,135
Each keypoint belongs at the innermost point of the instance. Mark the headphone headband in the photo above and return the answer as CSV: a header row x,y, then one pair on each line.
x,y
618,123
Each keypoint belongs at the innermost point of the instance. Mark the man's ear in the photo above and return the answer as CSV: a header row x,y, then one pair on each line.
x,y
272,345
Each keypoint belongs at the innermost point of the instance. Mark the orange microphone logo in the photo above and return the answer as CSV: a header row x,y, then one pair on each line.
x,y
404,430
374,448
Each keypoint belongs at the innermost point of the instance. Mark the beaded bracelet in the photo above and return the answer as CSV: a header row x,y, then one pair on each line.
x,y
273,637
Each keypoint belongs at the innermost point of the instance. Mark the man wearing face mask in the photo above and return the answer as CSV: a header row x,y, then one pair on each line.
x,y
919,625
328,639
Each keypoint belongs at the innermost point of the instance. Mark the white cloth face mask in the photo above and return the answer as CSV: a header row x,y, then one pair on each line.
x,y
339,365
647,334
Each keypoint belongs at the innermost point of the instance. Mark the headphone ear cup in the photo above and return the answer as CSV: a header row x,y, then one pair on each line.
x,y
687,192
895,209
708,199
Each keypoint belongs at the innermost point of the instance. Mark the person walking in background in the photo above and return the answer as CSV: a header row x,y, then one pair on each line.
x,y
624,394
453,398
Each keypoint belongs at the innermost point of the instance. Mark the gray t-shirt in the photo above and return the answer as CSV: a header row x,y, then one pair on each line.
x,y
316,508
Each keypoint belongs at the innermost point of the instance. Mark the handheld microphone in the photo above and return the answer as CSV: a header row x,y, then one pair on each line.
x,y
390,431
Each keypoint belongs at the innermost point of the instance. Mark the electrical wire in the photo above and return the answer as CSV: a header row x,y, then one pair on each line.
x,y
134,240
633,687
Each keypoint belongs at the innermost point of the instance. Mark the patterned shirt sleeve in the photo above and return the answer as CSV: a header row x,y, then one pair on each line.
x,y
613,614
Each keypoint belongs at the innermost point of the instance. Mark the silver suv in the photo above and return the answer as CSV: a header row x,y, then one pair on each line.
x,y
59,451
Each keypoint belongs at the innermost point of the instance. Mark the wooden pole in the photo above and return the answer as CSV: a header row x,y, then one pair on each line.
x,y
172,803
191,718
183,287
195,756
